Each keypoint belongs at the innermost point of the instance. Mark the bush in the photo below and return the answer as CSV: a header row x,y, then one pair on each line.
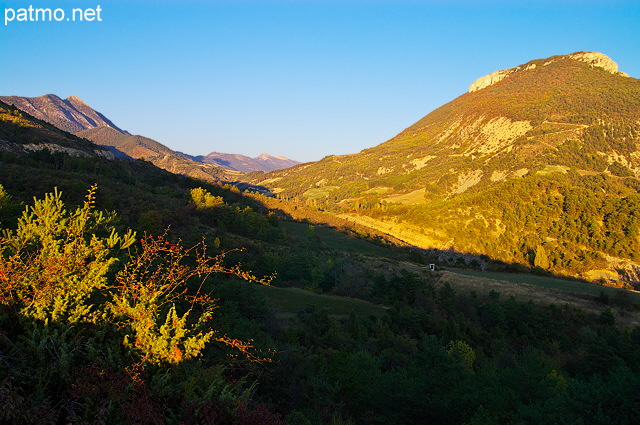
x,y
90,316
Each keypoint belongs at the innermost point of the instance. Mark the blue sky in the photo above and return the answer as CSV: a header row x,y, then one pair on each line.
x,y
298,78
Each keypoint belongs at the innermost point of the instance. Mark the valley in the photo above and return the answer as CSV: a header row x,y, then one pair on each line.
x,y
141,285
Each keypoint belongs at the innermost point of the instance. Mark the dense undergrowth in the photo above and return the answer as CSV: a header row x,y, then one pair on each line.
x,y
99,325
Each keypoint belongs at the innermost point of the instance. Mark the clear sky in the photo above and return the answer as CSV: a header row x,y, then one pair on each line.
x,y
298,78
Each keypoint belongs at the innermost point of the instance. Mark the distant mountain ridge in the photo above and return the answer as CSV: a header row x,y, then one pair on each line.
x,y
77,117
263,162
139,147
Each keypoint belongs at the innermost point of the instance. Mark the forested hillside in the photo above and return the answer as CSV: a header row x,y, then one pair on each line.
x,y
124,299
540,168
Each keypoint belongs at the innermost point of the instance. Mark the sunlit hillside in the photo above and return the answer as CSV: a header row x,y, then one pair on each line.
x,y
539,167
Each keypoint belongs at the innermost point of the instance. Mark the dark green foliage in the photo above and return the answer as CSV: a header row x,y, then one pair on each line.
x,y
446,358
83,342
438,355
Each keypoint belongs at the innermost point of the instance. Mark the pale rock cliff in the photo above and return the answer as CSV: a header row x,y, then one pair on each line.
x,y
494,77
594,59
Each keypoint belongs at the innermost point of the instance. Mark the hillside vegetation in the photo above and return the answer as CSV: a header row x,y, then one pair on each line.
x,y
20,132
99,325
540,168
129,294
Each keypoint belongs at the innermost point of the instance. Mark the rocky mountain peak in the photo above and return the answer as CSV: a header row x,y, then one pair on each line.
x,y
597,60
594,59
71,114
267,157
264,162
76,100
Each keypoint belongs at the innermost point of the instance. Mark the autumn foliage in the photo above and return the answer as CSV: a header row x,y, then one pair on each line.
x,y
91,313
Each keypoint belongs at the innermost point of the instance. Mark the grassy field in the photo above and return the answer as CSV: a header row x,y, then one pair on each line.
x,y
411,198
320,192
550,282
333,239
550,169
290,301
418,236
543,290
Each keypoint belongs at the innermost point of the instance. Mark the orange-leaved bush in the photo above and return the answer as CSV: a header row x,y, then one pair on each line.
x,y
152,288
55,268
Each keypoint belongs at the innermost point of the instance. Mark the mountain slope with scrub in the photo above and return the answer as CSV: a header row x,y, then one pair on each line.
x,y
129,294
537,165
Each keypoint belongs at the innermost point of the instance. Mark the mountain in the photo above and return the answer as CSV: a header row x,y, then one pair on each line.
x,y
140,147
75,116
71,114
263,162
537,165
385,323
21,132
99,324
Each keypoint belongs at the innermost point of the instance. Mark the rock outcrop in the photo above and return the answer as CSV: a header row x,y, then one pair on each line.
x,y
494,77
594,59
597,60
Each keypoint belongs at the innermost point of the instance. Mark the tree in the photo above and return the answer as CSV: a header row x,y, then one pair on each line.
x,y
151,289
205,200
56,260
541,259
463,352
